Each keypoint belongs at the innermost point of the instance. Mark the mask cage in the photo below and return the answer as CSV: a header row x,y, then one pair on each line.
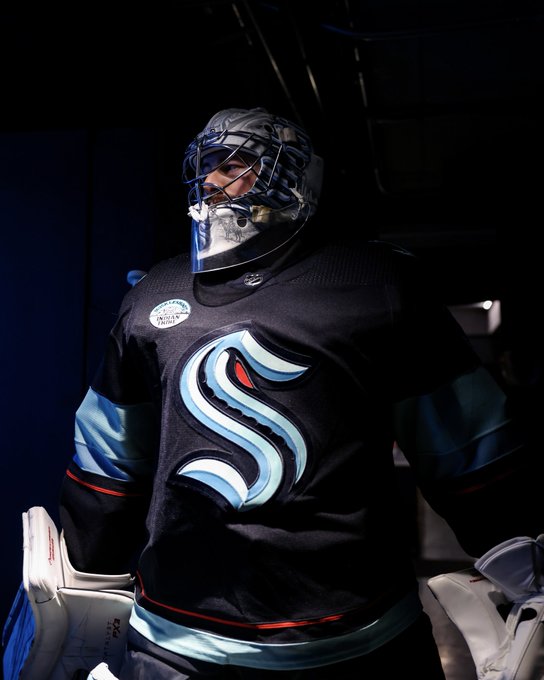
x,y
265,153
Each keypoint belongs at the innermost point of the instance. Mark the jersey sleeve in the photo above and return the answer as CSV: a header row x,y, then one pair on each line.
x,y
473,461
106,489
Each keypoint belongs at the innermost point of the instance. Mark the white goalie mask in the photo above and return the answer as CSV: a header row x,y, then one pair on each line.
x,y
230,229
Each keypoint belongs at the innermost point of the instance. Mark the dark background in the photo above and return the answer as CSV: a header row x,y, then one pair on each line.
x,y
429,116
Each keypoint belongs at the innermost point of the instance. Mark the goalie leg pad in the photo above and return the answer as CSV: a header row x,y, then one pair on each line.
x,y
525,623
471,602
507,646
42,620
63,622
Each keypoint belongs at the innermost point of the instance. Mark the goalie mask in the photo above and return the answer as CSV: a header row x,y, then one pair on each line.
x,y
254,182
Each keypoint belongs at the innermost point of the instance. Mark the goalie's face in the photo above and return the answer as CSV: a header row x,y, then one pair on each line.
x,y
227,175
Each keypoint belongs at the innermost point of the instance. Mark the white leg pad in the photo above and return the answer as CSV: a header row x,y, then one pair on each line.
x,y
470,602
504,647
63,622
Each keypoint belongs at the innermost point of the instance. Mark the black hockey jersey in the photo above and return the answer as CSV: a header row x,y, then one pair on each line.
x,y
238,439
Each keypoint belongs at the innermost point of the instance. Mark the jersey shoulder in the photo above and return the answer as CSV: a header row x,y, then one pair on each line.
x,y
168,275
356,262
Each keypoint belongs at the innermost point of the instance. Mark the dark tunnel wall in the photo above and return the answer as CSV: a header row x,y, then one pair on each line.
x,y
77,213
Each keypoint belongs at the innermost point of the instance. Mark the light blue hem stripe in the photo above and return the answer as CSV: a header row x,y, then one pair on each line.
x,y
198,644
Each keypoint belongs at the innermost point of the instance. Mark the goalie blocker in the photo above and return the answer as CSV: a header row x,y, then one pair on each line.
x,y
63,624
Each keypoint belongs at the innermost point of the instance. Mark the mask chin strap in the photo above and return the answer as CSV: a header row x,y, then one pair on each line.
x,y
300,198
199,213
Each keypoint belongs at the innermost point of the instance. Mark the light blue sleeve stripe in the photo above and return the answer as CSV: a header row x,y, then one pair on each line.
x,y
459,428
115,441
198,644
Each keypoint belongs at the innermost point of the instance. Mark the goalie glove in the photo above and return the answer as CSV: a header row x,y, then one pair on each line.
x,y
498,606
63,622
515,566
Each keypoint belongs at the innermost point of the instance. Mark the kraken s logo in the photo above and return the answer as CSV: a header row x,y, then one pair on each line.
x,y
206,384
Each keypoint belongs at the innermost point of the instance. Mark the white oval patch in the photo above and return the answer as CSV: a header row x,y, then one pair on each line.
x,y
170,313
